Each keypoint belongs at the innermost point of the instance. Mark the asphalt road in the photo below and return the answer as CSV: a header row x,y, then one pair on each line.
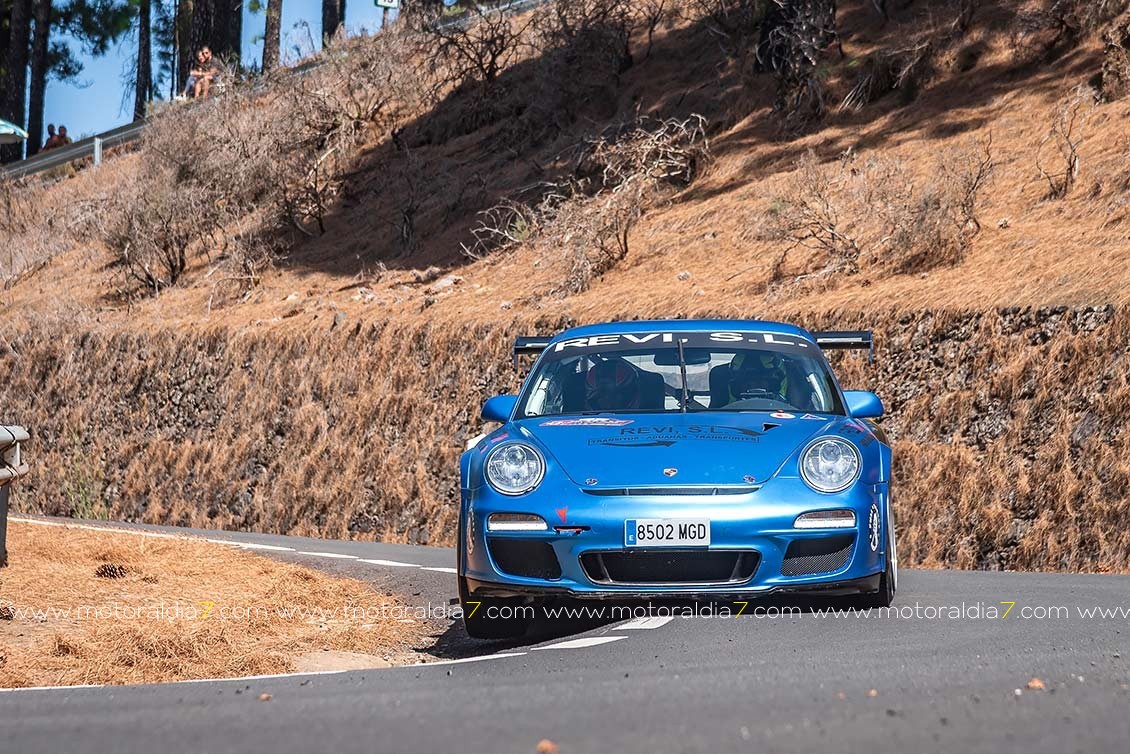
x,y
934,677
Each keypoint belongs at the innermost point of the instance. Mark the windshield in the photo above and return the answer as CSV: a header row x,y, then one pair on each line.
x,y
644,373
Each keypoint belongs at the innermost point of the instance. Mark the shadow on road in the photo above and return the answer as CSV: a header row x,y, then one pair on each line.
x,y
563,619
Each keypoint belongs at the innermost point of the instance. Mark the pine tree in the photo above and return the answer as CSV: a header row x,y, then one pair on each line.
x,y
39,67
271,36
143,74
15,74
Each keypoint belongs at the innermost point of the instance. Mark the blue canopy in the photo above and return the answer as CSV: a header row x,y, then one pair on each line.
x,y
10,133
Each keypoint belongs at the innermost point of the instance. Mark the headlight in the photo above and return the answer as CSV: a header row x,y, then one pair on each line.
x,y
514,468
830,464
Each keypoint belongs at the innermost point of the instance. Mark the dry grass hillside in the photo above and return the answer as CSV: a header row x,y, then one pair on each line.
x,y
337,320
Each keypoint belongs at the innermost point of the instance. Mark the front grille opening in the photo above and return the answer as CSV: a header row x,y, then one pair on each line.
x,y
527,558
710,491
806,557
658,567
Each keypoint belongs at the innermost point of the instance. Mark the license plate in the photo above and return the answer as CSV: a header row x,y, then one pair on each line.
x,y
667,532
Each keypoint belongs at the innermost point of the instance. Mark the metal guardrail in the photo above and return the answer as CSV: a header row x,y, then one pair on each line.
x,y
87,147
92,146
12,467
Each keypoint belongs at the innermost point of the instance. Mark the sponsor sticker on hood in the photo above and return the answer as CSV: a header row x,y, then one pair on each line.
x,y
587,421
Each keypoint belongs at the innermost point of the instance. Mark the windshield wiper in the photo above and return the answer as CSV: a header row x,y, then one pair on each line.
x,y
683,373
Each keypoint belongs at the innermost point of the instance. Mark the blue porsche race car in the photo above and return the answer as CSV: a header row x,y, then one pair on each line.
x,y
675,459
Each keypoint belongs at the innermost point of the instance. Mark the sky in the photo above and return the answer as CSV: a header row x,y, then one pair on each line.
x,y
94,102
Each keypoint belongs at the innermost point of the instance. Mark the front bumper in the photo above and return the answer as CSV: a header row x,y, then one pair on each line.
x,y
757,523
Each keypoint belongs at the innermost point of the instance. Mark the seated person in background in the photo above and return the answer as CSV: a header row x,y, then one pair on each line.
x,y
612,386
756,374
64,140
208,71
52,139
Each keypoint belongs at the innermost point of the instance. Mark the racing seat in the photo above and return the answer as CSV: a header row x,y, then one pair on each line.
x,y
653,392
719,386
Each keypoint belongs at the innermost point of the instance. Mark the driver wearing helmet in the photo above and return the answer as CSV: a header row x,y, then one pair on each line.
x,y
757,374
612,386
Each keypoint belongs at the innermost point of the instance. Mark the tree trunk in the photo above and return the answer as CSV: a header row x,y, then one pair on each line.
x,y
228,30
15,80
202,32
333,16
182,41
39,46
271,36
143,83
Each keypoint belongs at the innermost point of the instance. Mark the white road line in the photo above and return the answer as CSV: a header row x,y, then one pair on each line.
x,y
110,529
395,563
439,569
55,688
647,622
590,641
253,545
498,656
327,555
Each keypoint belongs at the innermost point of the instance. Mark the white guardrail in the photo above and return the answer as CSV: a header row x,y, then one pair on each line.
x,y
12,467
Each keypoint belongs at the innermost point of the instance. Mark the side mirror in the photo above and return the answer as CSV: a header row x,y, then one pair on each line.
x,y
499,408
863,405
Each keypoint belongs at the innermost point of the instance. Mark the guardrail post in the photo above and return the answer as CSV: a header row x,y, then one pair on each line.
x,y
12,467
4,525
97,151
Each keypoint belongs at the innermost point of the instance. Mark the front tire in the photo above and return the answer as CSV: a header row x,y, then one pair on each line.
x,y
489,617
494,617
888,581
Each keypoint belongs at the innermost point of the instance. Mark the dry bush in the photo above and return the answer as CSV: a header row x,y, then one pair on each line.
x,y
902,70
875,213
360,84
734,23
583,48
586,219
1116,60
1043,32
652,14
665,152
1057,156
471,53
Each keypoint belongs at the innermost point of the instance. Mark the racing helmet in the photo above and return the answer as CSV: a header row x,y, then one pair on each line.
x,y
612,385
757,372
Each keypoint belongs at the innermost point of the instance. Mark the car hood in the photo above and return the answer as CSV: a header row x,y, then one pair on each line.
x,y
674,449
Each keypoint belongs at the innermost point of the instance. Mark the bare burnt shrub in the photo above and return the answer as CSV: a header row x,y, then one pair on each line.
x,y
361,84
1044,32
907,67
665,152
1116,60
470,55
793,36
584,47
902,70
1057,156
735,24
875,214
652,14
584,222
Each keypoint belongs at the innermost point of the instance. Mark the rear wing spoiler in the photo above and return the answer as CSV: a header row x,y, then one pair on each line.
x,y
838,339
525,345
